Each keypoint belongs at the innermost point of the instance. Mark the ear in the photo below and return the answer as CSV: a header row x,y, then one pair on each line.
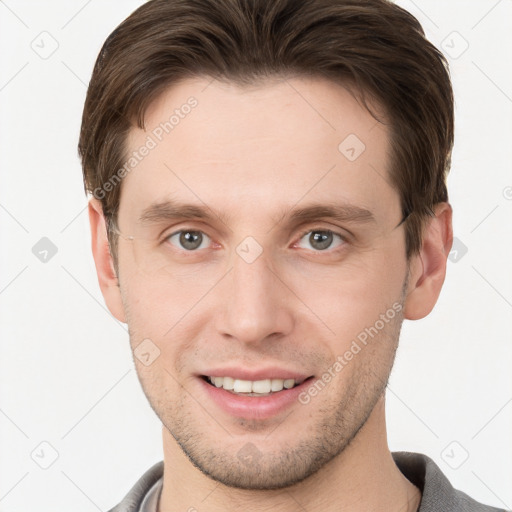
x,y
107,278
428,268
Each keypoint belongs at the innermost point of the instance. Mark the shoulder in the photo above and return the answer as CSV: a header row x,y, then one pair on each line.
x,y
133,500
437,492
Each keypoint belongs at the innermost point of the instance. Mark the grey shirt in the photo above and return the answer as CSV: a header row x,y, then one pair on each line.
x,y
438,495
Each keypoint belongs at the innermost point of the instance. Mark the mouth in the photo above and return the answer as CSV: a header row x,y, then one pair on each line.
x,y
253,388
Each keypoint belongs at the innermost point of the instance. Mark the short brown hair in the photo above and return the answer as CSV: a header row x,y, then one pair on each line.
x,y
371,46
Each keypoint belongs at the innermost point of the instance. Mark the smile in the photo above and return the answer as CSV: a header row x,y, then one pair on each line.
x,y
263,387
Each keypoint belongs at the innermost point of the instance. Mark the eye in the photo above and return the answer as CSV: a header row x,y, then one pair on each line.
x,y
188,239
321,239
318,240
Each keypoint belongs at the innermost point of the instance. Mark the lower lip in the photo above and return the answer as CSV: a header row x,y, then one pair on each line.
x,y
254,407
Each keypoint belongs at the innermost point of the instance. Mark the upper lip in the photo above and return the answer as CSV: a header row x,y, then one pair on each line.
x,y
256,374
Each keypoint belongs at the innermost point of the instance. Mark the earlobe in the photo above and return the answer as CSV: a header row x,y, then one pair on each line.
x,y
428,267
107,278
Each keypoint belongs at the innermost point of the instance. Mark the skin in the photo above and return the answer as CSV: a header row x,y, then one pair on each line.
x,y
251,154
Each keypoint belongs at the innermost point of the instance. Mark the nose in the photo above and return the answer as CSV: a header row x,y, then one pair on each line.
x,y
255,305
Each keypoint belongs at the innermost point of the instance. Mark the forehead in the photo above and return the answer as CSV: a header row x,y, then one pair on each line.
x,y
281,142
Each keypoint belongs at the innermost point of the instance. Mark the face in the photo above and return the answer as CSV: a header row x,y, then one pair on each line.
x,y
274,255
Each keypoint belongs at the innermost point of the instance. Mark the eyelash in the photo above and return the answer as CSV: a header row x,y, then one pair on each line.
x,y
343,238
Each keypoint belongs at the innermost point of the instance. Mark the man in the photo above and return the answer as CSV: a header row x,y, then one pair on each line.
x,y
269,203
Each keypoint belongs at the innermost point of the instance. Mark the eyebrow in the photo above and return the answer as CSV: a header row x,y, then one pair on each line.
x,y
172,210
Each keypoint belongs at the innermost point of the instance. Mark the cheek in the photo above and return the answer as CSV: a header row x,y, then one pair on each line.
x,y
162,300
337,307
349,298
165,312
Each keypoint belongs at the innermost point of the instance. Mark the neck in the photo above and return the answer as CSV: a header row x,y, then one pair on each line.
x,y
362,478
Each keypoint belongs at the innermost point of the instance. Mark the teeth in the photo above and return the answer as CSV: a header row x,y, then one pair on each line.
x,y
228,383
289,383
262,387
242,386
276,384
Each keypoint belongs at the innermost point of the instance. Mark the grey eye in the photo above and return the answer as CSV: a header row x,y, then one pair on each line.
x,y
189,240
319,240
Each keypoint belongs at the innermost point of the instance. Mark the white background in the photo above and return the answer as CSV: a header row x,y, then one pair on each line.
x,y
67,376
